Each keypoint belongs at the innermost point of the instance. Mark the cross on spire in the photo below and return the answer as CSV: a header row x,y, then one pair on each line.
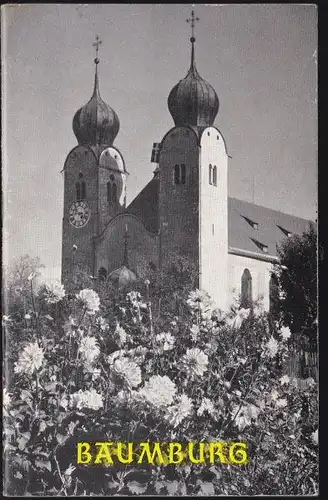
x,y
192,22
96,44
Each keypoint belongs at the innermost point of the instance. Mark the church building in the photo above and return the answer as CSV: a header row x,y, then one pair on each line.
x,y
184,210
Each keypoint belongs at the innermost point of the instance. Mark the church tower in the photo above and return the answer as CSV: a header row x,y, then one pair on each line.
x,y
193,167
94,184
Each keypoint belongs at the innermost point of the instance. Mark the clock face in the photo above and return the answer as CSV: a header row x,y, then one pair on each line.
x,y
79,214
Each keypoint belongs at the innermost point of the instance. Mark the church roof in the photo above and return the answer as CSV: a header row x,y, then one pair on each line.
x,y
145,205
251,228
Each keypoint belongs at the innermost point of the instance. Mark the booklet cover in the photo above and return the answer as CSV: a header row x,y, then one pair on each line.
x,y
160,250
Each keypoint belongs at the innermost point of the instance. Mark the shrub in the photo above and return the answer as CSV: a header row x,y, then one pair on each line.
x,y
82,371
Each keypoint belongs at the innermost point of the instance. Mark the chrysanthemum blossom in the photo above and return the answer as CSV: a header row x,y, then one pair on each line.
x,y
87,399
199,300
55,292
178,412
238,319
89,349
285,332
284,379
158,391
70,326
281,403
194,332
165,340
272,347
241,417
120,335
6,399
195,362
90,300
30,360
128,370
206,406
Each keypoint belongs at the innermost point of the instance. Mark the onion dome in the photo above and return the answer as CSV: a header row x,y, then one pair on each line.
x,y
96,123
193,101
122,276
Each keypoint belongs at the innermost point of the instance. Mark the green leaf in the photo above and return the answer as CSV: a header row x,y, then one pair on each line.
x,y
43,465
136,487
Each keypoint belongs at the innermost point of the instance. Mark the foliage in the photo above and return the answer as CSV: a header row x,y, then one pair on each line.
x,y
90,370
297,279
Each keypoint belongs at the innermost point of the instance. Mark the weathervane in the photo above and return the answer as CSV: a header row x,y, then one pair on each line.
x,y
192,21
96,44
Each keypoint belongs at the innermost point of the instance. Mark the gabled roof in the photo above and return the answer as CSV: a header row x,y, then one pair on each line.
x,y
251,228
145,205
242,235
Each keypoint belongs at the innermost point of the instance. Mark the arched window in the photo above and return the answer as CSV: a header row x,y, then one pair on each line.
x,y
114,193
176,174
83,194
183,173
78,191
210,168
246,289
273,293
102,274
214,175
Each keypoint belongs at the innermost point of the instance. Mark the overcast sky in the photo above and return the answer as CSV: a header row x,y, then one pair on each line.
x,y
261,60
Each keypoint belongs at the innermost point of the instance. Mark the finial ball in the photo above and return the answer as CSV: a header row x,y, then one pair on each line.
x,y
96,60
192,39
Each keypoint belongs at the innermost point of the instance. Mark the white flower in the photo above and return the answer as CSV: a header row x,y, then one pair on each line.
x,y
6,398
178,412
87,399
199,300
239,317
194,330
70,326
31,276
128,370
30,359
285,332
284,379
116,354
272,347
159,391
103,325
27,316
166,340
90,300
55,292
281,403
195,361
314,437
206,406
89,349
63,402
91,370
274,395
120,333
242,418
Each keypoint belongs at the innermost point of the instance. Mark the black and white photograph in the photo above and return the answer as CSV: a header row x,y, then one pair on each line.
x,y
160,250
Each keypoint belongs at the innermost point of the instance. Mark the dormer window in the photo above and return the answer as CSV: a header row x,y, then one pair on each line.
x,y
252,223
285,231
260,245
